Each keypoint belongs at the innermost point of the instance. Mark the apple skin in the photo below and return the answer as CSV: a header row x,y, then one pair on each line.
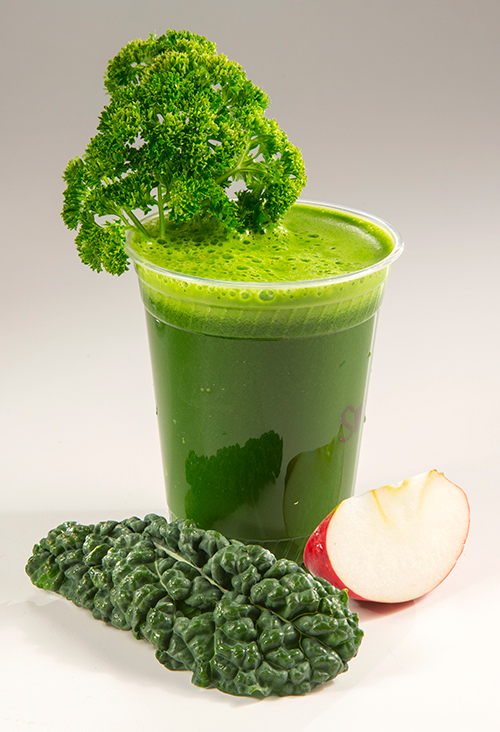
x,y
316,556
317,561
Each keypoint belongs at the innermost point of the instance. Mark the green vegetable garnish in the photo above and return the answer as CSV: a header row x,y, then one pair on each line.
x,y
239,619
183,124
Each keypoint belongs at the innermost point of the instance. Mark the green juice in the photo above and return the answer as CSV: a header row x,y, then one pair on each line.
x,y
261,348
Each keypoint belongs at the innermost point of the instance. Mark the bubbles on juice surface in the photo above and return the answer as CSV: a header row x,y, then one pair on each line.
x,y
310,243
266,295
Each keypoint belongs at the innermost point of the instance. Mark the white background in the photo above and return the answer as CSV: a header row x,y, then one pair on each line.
x,y
395,106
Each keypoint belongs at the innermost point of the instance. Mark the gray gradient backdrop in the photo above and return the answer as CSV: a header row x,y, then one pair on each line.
x,y
396,108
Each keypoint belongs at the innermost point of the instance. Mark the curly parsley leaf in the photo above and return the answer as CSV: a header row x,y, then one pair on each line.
x,y
183,124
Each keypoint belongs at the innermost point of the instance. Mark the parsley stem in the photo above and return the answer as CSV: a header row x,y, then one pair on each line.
x,y
138,224
161,213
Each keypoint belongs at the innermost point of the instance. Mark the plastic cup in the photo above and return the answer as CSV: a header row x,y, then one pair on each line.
x,y
260,392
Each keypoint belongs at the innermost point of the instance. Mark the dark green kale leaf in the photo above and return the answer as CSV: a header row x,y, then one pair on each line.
x,y
239,619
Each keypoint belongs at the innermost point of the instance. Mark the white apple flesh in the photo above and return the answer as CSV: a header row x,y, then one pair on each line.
x,y
392,544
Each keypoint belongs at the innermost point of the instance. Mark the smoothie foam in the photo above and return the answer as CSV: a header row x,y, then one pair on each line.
x,y
302,278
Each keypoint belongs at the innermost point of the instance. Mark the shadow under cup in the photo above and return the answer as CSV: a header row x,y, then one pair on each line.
x,y
260,392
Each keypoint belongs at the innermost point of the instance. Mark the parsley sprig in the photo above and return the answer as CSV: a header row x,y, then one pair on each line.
x,y
183,124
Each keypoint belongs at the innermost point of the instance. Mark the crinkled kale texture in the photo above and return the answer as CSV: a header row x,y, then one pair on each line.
x,y
239,619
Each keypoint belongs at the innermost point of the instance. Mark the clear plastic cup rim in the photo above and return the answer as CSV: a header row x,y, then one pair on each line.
x,y
396,251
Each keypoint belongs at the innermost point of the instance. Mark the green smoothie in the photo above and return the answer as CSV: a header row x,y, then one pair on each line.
x,y
261,348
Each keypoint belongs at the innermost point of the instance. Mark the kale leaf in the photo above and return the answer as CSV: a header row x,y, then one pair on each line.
x,y
239,619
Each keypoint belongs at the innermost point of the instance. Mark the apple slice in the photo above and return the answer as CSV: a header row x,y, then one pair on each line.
x,y
392,544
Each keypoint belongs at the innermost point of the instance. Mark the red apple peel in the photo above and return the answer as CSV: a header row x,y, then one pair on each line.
x,y
392,544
